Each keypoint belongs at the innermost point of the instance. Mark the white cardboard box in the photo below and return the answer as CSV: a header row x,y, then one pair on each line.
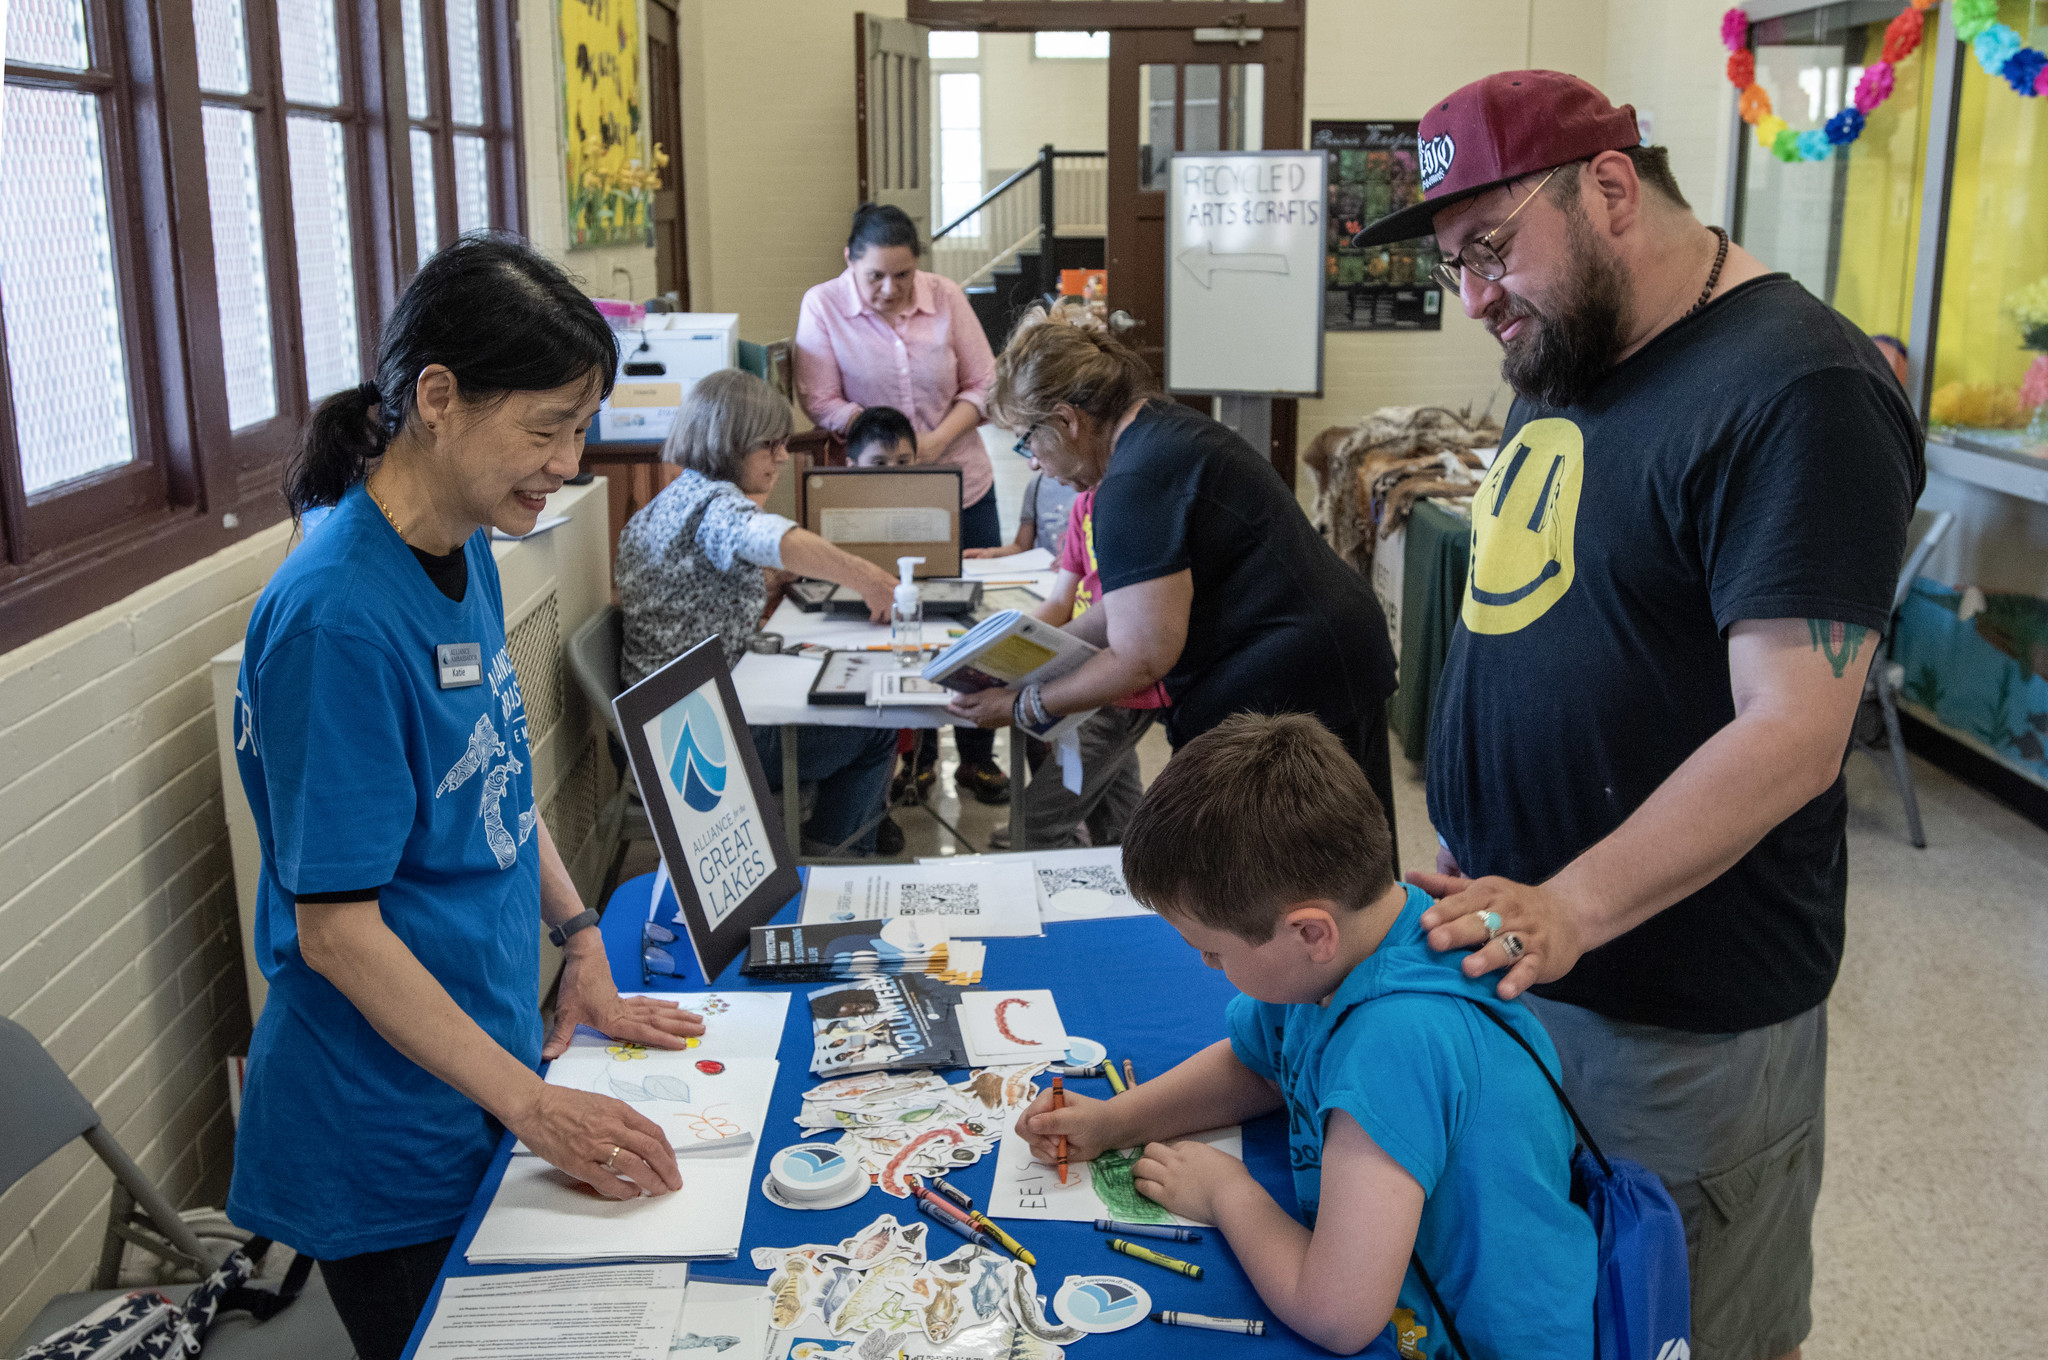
x,y
659,362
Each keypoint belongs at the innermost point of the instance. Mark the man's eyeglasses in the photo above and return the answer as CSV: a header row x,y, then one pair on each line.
x,y
1022,448
656,959
1481,256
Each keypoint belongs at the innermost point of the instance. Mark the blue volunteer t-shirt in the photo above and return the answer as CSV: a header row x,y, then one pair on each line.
x,y
1464,1111
362,773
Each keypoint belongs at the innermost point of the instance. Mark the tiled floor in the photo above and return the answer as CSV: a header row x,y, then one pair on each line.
x,y
1932,1231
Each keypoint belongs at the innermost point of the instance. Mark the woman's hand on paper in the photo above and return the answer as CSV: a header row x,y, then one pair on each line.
x,y
1091,1126
986,707
1187,1178
588,997
605,1143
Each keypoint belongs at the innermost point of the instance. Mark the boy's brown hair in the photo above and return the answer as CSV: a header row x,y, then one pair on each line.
x,y
1254,815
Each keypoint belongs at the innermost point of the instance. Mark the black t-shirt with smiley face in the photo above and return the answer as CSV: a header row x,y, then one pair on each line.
x,y
1755,461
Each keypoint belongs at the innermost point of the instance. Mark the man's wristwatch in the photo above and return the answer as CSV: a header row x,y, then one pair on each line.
x,y
560,934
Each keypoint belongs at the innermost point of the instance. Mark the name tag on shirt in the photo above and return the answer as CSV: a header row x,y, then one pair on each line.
x,y
461,664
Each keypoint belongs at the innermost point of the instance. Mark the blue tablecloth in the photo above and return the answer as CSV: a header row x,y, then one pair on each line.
x,y
1130,983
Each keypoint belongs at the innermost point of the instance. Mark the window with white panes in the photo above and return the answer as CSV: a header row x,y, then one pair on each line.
x,y
202,227
457,104
960,186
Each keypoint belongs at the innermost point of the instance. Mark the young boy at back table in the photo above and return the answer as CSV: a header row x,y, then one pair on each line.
x,y
1414,1124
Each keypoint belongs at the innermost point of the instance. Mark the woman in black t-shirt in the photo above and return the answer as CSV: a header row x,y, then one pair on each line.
x,y
1213,580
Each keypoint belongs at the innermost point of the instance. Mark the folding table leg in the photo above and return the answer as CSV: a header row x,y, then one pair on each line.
x,y
1020,770
792,797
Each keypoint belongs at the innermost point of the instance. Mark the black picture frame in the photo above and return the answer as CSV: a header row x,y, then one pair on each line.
x,y
729,859
1373,172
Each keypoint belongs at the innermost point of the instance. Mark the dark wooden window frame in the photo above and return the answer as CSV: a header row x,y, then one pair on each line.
x,y
194,487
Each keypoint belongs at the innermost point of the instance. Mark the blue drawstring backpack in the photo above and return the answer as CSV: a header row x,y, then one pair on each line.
x,y
1642,1305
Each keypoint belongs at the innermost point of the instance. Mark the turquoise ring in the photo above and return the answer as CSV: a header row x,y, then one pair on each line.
x,y
1491,920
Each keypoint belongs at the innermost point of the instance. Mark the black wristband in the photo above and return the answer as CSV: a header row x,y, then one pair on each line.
x,y
560,934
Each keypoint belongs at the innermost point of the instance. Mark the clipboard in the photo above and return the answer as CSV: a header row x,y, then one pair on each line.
x,y
881,514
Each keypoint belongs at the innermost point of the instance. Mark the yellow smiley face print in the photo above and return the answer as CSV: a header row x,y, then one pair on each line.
x,y
1523,520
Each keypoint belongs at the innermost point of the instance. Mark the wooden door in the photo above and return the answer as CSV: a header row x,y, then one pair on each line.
x,y
665,125
890,90
1170,92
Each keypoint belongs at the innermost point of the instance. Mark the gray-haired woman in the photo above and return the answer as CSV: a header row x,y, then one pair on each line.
x,y
690,565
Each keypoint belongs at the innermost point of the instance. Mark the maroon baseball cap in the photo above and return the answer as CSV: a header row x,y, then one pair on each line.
x,y
1499,129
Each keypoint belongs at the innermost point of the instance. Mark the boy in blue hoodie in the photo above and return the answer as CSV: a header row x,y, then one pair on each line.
x,y
1416,1127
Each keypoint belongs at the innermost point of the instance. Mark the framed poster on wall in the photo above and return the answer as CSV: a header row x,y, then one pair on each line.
x,y
610,183
1379,288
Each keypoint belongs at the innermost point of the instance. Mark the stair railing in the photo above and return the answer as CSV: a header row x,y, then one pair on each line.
x,y
1003,220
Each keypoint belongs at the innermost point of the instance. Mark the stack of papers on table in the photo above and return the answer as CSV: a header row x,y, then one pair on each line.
x,y
543,1215
1073,885
737,1024
830,950
637,1312
968,896
1004,1029
700,1104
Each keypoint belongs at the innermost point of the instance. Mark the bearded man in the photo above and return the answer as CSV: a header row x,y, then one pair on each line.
x,y
1681,557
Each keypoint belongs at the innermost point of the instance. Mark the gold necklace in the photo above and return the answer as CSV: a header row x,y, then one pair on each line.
x,y
379,501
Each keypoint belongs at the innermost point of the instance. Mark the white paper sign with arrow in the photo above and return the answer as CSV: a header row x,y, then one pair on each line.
x,y
1244,289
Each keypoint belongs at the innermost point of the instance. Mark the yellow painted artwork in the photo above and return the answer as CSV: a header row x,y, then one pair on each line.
x,y
611,177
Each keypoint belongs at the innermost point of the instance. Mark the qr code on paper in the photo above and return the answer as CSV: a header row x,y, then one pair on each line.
x,y
940,899
1102,878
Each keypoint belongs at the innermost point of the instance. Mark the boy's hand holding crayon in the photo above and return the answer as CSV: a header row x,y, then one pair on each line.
x,y
1092,1127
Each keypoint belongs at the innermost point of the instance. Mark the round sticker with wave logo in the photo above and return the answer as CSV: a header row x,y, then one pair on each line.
x,y
1101,1303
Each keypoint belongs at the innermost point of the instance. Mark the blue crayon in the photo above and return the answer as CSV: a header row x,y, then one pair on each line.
x,y
1171,1234
974,1235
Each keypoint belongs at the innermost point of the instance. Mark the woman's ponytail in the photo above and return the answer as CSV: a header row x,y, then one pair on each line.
x,y
334,451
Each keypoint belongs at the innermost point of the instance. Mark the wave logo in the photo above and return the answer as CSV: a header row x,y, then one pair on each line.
x,y
693,745
813,1166
1101,1303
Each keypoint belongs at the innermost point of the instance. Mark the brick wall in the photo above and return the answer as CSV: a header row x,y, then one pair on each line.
x,y
118,943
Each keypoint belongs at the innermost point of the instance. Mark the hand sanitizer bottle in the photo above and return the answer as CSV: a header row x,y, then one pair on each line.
x,y
906,616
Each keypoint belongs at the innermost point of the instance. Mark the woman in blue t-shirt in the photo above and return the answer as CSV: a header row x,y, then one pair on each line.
x,y
382,742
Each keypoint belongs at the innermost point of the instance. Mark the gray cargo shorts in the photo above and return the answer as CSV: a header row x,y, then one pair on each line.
x,y
1732,1124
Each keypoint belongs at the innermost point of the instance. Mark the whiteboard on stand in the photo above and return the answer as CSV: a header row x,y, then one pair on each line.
x,y
1244,272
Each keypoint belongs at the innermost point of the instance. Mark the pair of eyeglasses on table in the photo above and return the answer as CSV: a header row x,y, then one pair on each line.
x,y
1482,257
657,959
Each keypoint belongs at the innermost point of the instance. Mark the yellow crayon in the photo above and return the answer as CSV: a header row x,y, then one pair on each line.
x,y
1010,1244
1116,1083
1192,1271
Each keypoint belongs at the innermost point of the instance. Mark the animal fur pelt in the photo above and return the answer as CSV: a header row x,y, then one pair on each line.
x,y
1369,475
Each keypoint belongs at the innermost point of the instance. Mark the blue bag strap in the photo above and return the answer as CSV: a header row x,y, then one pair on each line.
x,y
1584,1135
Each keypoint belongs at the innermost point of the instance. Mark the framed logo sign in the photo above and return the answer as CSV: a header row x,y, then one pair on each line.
x,y
708,802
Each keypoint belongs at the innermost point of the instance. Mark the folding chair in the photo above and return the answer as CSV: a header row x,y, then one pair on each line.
x,y
42,1113
594,658
1879,710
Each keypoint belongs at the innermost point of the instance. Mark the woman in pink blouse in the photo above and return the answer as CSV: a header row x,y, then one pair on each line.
x,y
885,333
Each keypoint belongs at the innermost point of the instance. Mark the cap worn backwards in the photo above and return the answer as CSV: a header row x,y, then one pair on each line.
x,y
1503,128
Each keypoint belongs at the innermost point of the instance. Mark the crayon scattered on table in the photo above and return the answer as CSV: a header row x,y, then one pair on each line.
x,y
1249,1326
1133,1250
1116,1083
946,1207
1059,1102
952,1192
1076,1070
951,1224
1010,1244
1165,1230
1130,1073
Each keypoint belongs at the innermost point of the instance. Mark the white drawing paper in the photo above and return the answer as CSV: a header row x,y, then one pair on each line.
x,y
698,1109
1007,1027
1028,1188
1073,885
588,1324
542,1215
643,1275
970,899
737,1024
722,1322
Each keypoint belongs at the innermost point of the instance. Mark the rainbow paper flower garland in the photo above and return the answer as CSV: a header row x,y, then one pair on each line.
x,y
1997,47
